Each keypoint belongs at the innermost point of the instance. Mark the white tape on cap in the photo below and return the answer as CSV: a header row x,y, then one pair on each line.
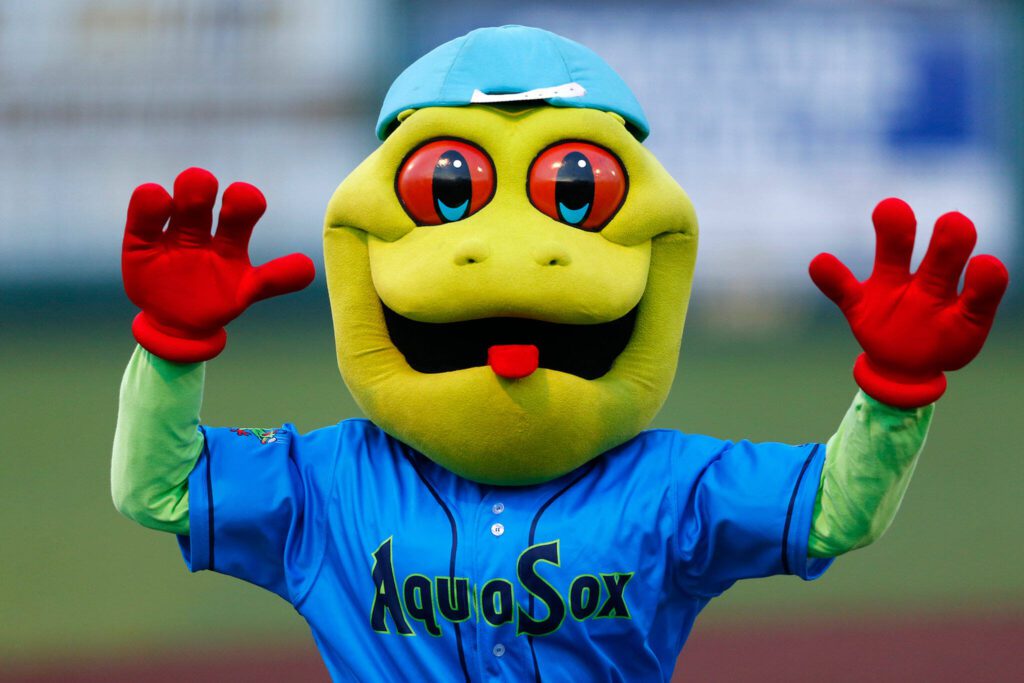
x,y
562,91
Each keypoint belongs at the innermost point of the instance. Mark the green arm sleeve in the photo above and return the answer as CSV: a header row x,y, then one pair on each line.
x,y
868,465
157,441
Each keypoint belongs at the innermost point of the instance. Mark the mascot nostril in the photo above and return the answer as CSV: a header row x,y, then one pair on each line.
x,y
505,478
552,255
470,252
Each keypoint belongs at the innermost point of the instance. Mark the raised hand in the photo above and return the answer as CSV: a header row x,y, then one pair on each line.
x,y
914,327
188,283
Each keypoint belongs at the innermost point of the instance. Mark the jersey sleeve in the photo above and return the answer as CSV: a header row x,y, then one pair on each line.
x,y
257,502
745,511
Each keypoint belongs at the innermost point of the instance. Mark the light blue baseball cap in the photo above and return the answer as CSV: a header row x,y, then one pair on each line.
x,y
511,64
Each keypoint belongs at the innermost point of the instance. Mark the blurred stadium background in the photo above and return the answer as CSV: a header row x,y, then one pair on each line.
x,y
786,121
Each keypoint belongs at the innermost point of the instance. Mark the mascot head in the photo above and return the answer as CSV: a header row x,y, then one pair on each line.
x,y
509,271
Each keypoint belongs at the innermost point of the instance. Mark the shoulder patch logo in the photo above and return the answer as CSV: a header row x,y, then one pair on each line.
x,y
264,435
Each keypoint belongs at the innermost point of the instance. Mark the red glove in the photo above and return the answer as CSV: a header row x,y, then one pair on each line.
x,y
914,327
188,283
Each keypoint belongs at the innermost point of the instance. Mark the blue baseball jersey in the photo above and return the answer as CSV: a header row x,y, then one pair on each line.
x,y
405,571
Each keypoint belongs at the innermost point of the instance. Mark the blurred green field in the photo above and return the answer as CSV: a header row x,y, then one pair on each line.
x,y
77,578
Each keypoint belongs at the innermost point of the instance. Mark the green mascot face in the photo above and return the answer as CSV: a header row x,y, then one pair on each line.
x,y
509,285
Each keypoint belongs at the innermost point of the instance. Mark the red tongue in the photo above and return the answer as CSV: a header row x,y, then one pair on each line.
x,y
513,361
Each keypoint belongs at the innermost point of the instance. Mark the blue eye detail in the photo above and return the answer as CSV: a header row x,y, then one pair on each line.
x,y
577,184
452,213
452,185
573,216
444,181
574,187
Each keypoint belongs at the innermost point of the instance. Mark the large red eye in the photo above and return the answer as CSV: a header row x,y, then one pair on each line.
x,y
577,183
445,181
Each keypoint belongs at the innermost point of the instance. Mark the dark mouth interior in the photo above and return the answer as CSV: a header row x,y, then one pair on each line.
x,y
587,351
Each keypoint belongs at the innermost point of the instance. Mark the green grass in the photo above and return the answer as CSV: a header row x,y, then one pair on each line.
x,y
77,577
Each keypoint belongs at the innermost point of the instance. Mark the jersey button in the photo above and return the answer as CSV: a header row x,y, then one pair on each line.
x,y
498,650
498,508
497,529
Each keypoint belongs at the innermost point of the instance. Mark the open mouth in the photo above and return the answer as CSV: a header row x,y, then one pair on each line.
x,y
587,351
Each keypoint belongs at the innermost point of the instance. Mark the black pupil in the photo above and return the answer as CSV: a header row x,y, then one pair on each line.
x,y
453,188
574,186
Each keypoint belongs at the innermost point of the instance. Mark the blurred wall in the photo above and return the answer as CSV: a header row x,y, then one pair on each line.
x,y
97,96
786,121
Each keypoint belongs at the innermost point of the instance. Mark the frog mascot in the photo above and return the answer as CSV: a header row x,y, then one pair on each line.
x,y
509,275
